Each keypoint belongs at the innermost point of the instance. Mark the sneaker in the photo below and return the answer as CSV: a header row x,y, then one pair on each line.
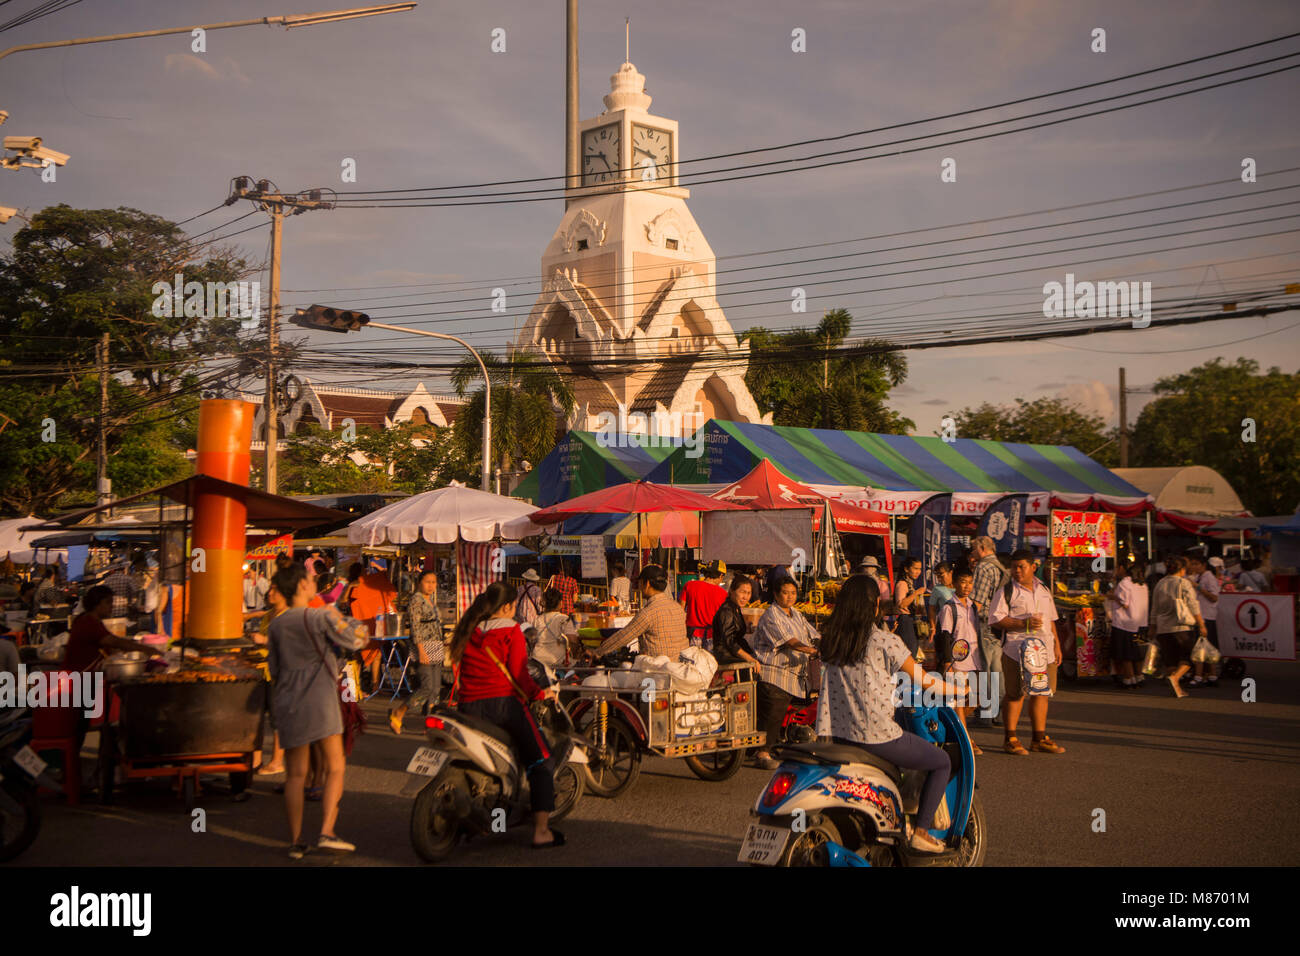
x,y
334,844
923,842
298,851
1046,745
1196,682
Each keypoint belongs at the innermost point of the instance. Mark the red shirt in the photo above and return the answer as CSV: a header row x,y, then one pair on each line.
x,y
568,588
480,678
83,642
702,601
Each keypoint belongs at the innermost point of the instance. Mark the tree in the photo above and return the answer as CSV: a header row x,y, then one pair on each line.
x,y
402,458
1204,417
527,394
809,378
1043,421
71,275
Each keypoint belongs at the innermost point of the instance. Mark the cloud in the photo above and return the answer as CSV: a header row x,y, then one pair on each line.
x,y
1094,397
936,401
187,64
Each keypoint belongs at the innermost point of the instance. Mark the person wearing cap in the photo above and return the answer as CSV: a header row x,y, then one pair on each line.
x,y
870,567
660,625
528,606
701,600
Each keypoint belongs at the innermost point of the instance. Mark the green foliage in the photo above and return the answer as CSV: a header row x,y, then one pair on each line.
x,y
527,395
1197,419
808,378
71,275
404,458
1043,421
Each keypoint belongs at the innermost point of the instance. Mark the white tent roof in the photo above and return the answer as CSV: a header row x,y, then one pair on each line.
x,y
1192,489
17,545
440,517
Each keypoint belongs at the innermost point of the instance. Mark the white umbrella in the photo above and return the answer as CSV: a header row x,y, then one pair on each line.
x,y
17,544
442,516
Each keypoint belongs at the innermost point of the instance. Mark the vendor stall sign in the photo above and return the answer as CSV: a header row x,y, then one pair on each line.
x,y
756,537
1083,534
593,556
270,550
1257,626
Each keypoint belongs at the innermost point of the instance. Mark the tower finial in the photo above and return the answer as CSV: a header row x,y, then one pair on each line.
x,y
627,41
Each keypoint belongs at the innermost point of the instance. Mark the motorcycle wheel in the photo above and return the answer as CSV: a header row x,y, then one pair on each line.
x,y
433,827
809,848
716,766
1233,668
568,790
614,771
974,841
18,830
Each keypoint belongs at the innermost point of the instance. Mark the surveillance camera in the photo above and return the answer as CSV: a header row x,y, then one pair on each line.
x,y
50,156
22,142
7,212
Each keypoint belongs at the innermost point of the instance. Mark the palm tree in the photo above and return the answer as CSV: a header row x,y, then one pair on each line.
x,y
527,394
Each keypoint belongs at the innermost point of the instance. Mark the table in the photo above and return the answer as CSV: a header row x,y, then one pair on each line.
x,y
393,654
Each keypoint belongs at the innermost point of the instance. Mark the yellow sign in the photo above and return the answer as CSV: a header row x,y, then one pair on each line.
x,y
816,597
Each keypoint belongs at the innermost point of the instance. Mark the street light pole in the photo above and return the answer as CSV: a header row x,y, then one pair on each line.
x,y
486,473
288,22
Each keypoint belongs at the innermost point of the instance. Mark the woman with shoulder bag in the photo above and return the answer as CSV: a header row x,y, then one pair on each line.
x,y
1174,614
491,660
304,660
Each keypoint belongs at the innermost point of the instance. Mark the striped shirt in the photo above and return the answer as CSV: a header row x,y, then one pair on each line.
x,y
989,576
779,664
660,627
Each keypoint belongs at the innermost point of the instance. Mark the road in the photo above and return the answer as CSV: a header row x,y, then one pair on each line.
x,y
1208,780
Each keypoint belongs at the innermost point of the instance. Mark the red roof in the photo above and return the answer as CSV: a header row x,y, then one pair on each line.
x,y
766,487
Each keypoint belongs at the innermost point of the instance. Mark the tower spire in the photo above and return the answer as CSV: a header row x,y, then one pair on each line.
x,y
627,41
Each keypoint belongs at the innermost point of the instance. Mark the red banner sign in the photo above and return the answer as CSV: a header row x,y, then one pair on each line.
x,y
270,550
1083,534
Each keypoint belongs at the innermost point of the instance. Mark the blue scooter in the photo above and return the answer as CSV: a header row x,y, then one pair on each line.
x,y
832,804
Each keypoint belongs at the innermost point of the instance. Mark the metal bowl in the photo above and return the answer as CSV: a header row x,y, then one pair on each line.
x,y
124,665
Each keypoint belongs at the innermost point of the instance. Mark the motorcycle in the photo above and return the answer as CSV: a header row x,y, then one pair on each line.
x,y
21,773
472,782
833,804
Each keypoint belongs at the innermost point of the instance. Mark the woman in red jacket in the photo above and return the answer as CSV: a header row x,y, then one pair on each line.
x,y
491,657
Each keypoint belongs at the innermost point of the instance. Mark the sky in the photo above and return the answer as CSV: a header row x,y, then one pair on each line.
x,y
421,99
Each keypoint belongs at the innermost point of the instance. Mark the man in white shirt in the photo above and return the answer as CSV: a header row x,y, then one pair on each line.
x,y
1208,589
620,589
1024,609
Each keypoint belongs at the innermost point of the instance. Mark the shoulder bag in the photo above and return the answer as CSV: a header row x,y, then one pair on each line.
x,y
354,718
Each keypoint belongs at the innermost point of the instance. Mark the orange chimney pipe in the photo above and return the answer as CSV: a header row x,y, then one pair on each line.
x,y
216,610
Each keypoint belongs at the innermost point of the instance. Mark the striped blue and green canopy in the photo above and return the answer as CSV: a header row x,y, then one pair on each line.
x,y
580,464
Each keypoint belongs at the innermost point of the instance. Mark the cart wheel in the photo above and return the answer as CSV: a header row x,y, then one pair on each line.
x,y
612,771
188,792
717,765
107,764
1233,668
239,781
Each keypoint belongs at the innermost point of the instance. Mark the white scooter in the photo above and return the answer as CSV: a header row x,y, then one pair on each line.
x,y
471,781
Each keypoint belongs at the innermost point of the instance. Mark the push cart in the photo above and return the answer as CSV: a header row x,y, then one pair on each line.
x,y
639,712
183,729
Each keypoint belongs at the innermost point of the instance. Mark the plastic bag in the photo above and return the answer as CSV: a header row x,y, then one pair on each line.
x,y
1203,652
1152,660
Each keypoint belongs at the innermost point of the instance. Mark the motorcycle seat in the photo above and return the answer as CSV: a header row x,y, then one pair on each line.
x,y
828,752
475,723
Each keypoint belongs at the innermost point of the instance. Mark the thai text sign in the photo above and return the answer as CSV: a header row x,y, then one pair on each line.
x,y
757,537
270,550
1083,534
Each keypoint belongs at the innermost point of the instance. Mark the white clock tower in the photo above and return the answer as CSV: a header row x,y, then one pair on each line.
x,y
628,310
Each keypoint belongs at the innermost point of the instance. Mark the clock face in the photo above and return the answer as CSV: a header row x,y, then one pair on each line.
x,y
652,153
600,155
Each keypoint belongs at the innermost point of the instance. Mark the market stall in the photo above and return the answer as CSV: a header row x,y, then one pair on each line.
x,y
1083,548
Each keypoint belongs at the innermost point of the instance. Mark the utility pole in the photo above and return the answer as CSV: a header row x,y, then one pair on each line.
x,y
102,495
1123,421
572,167
267,197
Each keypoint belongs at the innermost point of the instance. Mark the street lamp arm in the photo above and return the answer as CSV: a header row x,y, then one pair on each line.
x,y
286,21
486,473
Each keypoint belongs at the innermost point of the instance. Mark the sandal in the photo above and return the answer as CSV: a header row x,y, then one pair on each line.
x,y
314,793
1012,745
1046,745
557,839
975,749
923,842
395,722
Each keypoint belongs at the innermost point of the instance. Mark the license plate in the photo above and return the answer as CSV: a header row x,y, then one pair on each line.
x,y
27,759
427,762
763,845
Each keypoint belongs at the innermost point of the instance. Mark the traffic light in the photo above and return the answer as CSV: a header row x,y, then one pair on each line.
x,y
330,320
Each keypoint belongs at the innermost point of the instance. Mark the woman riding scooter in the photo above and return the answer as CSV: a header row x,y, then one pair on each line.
x,y
490,655
859,660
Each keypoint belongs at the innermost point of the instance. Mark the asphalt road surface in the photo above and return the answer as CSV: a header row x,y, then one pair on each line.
x,y
1208,780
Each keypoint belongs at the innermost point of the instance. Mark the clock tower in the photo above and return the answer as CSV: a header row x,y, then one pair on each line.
x,y
628,312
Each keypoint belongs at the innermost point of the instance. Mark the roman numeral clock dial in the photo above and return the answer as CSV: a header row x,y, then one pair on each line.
x,y
600,155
